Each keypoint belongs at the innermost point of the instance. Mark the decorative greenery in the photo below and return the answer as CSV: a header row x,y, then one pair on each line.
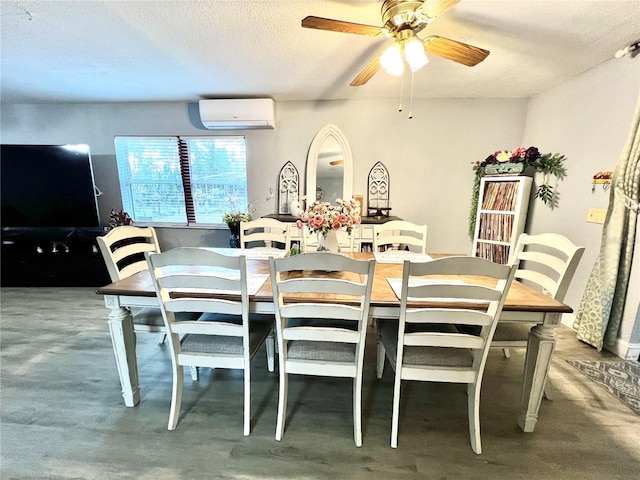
x,y
235,215
322,216
547,163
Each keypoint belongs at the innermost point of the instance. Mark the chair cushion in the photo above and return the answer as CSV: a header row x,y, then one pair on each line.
x,y
220,344
153,316
323,351
434,356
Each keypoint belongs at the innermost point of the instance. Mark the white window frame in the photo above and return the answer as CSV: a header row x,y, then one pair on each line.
x,y
205,189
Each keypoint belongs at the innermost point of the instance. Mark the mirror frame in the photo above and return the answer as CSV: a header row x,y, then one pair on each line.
x,y
325,132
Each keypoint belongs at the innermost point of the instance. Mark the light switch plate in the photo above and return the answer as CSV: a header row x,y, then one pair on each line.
x,y
596,215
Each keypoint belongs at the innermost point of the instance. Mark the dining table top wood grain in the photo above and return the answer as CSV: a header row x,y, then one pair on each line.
x,y
520,298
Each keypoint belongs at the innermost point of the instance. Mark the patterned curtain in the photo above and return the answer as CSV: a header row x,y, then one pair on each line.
x,y
602,305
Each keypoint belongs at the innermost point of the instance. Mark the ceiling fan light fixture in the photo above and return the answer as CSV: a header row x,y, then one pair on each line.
x,y
391,59
414,53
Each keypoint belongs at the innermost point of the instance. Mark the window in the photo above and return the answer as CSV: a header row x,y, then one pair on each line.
x,y
181,180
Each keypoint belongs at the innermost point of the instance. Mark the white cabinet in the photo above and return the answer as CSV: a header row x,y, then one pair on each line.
x,y
501,216
363,233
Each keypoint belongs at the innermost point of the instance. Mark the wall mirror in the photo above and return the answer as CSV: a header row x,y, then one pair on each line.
x,y
329,166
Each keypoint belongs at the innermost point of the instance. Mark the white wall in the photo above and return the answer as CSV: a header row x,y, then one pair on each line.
x,y
429,157
588,119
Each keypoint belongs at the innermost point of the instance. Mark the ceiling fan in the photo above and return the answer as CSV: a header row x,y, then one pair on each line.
x,y
403,20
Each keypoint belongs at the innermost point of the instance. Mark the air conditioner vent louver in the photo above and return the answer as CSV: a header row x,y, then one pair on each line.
x,y
237,114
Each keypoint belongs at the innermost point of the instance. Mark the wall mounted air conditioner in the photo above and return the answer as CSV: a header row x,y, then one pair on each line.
x,y
237,114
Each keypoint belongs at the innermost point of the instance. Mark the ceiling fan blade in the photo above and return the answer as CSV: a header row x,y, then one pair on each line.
x,y
435,8
369,71
320,23
457,51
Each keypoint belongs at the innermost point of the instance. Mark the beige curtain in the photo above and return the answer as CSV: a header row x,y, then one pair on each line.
x,y
602,305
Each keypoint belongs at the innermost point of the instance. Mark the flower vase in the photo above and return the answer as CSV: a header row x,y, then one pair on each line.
x,y
328,242
234,239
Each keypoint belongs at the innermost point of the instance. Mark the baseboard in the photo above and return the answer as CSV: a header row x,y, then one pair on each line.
x,y
623,349
626,350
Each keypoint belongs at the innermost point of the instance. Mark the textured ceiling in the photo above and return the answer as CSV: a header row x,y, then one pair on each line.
x,y
123,51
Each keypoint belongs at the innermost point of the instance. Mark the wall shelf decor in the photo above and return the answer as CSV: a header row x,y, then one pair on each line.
x,y
288,187
378,191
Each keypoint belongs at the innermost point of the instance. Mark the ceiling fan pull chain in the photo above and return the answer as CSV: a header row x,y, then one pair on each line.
x,y
411,98
401,85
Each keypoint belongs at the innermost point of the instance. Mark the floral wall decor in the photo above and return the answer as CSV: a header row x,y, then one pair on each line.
x,y
519,161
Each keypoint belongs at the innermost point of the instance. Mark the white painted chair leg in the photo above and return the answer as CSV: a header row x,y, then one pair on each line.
x,y
194,373
357,411
271,348
547,391
247,401
282,404
506,353
396,411
473,407
176,396
380,357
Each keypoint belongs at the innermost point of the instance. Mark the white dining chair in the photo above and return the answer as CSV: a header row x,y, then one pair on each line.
x,y
265,233
227,336
346,240
123,249
399,234
424,344
322,336
546,262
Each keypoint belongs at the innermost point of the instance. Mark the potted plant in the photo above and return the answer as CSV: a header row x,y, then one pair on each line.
x,y
518,161
233,218
119,219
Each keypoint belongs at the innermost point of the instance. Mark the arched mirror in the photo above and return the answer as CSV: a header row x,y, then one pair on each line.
x,y
329,166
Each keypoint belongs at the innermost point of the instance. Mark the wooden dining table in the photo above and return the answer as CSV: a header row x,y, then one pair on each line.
x,y
523,304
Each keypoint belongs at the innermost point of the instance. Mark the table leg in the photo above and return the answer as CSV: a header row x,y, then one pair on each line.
x,y
541,343
124,347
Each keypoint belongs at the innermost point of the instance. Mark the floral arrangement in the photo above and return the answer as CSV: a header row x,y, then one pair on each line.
x,y
545,163
234,216
323,216
117,219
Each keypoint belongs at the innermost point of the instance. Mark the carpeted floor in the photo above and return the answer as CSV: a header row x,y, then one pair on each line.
x,y
620,378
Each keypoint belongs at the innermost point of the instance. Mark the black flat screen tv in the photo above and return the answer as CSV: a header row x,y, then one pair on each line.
x,y
47,186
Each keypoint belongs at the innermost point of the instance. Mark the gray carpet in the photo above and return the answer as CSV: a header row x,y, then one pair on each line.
x,y
621,379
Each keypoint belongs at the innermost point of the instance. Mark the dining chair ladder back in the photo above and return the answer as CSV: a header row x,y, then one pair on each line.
x,y
546,262
321,302
424,344
265,233
227,336
400,234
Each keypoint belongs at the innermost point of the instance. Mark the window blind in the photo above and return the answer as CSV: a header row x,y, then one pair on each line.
x,y
181,180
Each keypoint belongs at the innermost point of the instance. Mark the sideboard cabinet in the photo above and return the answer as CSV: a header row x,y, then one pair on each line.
x,y
363,233
501,216
53,257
